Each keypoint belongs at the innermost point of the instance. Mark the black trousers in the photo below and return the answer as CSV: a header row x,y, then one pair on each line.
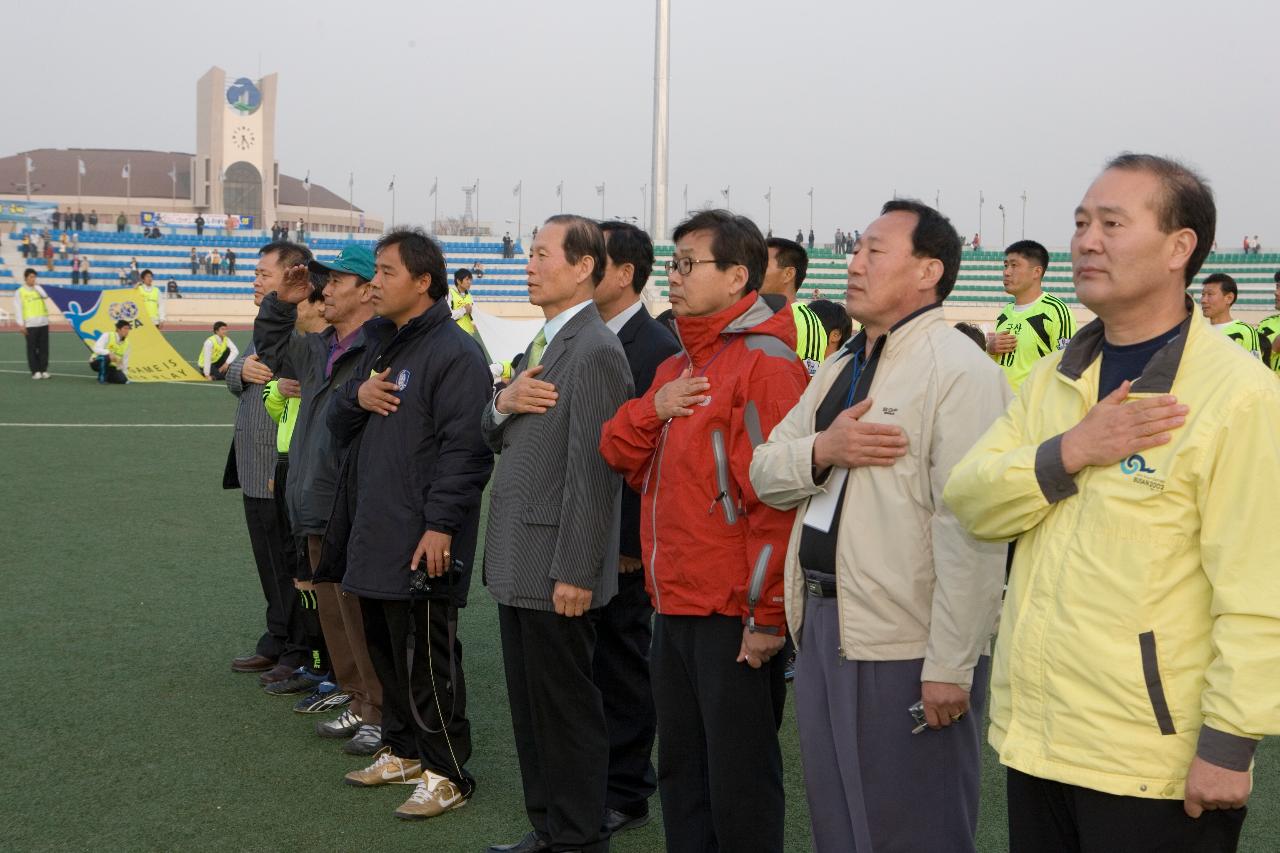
x,y
305,616
620,668
107,372
719,762
282,639
1050,817
438,691
557,715
38,348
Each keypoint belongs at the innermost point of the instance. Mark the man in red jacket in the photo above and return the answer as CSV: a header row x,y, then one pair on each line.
x,y
712,551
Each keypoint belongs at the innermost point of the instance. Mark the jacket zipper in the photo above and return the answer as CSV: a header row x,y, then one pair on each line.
x,y
655,470
724,498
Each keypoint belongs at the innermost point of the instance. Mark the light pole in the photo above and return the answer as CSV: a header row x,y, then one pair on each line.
x,y
1024,215
600,192
768,197
644,207
686,200
560,194
518,192
1002,225
727,203
661,88
980,201
811,209
351,202
435,206
937,200
392,188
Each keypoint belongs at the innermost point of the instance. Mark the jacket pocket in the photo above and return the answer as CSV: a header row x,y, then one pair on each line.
x,y
724,483
548,514
1155,687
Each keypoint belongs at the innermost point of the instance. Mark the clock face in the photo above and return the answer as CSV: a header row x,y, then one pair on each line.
x,y
242,138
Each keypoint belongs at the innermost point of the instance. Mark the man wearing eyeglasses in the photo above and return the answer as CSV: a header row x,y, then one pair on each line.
x,y
712,551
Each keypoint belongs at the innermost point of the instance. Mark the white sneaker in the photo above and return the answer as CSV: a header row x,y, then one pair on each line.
x,y
35,375
44,374
387,770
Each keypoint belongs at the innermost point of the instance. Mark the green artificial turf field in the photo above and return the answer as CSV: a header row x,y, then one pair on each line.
x,y
129,586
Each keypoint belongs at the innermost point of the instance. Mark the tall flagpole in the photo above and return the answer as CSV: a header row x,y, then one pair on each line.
x,y
128,185
351,201
435,208
661,91
519,209
393,200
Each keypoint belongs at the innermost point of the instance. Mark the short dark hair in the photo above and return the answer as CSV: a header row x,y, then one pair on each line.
x,y
790,254
317,288
1186,202
29,271
291,254
627,244
421,256
461,273
1276,277
582,238
1225,283
834,318
933,237
735,241
146,273
120,324
218,325
973,332
1037,254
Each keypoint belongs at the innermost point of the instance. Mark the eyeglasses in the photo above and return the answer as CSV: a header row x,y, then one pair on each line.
x,y
685,265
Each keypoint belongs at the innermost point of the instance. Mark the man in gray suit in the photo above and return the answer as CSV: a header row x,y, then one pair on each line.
x,y
251,466
551,550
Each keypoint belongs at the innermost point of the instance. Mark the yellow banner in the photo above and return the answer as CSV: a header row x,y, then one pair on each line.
x,y
92,312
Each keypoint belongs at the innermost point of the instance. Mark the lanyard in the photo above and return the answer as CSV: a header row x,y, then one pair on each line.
x,y
859,364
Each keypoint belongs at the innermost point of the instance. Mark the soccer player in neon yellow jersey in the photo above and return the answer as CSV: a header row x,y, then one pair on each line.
x,y
1035,323
1217,294
1269,334
788,265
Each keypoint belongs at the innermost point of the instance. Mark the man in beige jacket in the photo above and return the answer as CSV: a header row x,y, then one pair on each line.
x,y
891,602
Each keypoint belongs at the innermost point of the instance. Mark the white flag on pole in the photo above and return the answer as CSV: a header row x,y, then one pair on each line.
x,y
79,166
434,185
124,173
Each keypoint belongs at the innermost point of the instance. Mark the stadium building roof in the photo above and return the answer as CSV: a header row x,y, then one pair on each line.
x,y
55,175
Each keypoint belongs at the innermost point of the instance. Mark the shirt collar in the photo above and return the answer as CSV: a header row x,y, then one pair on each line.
x,y
553,327
615,325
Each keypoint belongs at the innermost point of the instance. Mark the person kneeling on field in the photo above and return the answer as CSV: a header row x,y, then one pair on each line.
x,y
111,355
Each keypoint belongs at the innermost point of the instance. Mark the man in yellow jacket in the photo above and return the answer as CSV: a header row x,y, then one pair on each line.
x,y
1135,668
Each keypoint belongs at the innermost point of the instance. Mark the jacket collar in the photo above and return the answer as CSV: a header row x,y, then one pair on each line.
x,y
700,336
1161,370
576,323
916,319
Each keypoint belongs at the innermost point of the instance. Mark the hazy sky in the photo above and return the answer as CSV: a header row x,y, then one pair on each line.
x,y
855,99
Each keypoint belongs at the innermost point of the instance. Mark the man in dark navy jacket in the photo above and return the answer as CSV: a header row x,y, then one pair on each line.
x,y
418,468
624,629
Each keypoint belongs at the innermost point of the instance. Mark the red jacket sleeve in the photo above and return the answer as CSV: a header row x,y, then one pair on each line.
x,y
628,439
771,391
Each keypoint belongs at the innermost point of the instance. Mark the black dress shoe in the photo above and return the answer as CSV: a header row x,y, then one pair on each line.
x,y
616,821
252,663
279,672
531,843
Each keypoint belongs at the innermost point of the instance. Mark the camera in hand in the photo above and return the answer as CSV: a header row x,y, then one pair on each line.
x,y
423,585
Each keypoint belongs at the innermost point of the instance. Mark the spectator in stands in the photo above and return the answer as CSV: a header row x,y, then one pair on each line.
x,y
194,260
298,230
75,242
133,270
838,242
231,261
1035,323
28,250
172,289
31,314
75,269
478,269
836,322
56,219
217,353
891,603
284,230
199,225
215,262
800,236
508,246
111,355
1218,295
275,231
79,220
1143,552
715,579
48,256
84,270
977,242
63,245
93,220
1255,245
810,238
121,223
124,279
153,299
787,267
68,220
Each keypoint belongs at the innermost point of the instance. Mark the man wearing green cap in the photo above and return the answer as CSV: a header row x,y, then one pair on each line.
x,y
322,362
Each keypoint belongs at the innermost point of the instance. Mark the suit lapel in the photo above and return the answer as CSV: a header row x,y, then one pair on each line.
x,y
561,341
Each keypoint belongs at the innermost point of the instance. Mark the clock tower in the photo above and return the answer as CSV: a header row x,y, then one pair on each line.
x,y
235,170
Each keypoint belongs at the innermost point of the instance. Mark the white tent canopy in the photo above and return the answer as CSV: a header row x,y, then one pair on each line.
x,y
505,337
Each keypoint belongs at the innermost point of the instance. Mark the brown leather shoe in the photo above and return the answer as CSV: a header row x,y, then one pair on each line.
x,y
252,663
279,672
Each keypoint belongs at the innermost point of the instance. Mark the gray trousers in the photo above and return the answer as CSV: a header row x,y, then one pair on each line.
x,y
872,786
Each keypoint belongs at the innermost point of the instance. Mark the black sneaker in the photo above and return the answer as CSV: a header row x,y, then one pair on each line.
x,y
789,673
326,697
300,682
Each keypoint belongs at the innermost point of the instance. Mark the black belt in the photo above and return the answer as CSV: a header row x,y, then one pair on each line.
x,y
820,584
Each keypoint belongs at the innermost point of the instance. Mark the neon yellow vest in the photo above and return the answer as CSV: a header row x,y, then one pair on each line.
x,y
151,297
117,347
458,299
32,303
219,347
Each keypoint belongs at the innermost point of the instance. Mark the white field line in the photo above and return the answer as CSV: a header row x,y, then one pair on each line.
x,y
89,376
123,426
